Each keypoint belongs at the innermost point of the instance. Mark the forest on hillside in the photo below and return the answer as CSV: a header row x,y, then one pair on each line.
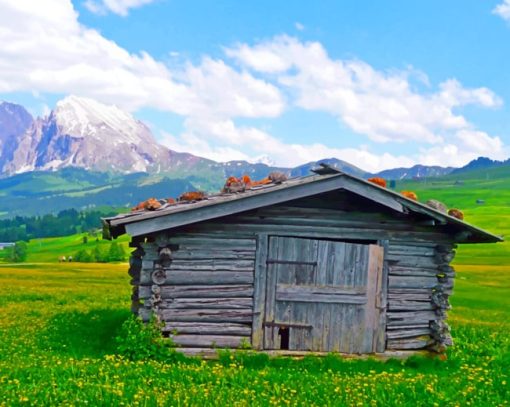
x,y
64,223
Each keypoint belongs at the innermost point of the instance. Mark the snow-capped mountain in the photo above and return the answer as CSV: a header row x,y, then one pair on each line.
x,y
84,133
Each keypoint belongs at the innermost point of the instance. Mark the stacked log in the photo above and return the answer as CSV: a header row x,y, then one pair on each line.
x,y
204,295
420,282
135,268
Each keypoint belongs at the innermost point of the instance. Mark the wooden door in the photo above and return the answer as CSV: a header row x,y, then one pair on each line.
x,y
323,296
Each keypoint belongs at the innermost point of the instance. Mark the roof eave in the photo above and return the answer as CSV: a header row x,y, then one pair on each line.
x,y
146,223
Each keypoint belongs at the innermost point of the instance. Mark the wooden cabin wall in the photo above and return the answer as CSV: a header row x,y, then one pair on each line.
x,y
420,281
206,293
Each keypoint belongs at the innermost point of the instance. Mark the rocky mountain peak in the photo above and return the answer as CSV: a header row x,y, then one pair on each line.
x,y
82,132
14,123
84,117
14,120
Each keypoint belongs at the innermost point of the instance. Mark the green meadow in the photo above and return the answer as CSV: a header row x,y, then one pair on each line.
x,y
59,321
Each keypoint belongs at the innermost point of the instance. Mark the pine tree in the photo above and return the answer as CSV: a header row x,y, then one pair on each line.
x,y
116,252
18,252
83,256
99,255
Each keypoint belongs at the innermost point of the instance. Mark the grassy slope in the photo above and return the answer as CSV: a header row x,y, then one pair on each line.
x,y
58,323
492,186
50,249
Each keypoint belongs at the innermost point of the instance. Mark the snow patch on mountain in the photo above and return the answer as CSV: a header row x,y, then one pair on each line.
x,y
82,132
84,117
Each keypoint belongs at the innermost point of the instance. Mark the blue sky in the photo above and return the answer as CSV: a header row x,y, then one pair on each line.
x,y
378,84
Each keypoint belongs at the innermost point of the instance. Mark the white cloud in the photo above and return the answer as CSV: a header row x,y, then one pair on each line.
x,y
465,146
249,143
120,7
221,91
381,105
503,10
299,26
46,50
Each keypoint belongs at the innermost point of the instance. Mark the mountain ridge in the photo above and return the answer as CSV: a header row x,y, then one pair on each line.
x,y
84,133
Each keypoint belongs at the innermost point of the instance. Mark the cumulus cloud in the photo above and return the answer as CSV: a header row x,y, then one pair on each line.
x,y
253,81
120,7
380,105
249,143
70,58
503,10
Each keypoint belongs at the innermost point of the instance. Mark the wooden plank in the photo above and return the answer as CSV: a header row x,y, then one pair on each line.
x,y
406,305
194,255
200,291
193,241
145,313
208,277
319,221
207,303
303,253
396,318
382,300
372,328
317,295
213,265
411,249
245,230
325,290
410,343
403,327
212,341
414,271
213,315
408,333
259,291
270,333
298,210
413,261
145,276
424,296
412,282
207,328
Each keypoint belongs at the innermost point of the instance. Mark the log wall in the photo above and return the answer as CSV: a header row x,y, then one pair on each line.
x,y
205,294
420,281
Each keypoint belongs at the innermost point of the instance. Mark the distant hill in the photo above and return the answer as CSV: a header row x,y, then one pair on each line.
x,y
418,171
38,193
481,163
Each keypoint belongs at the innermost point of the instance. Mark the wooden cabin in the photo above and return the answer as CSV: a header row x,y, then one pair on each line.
x,y
323,263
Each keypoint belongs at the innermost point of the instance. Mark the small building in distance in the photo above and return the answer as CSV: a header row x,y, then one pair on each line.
x,y
5,245
323,263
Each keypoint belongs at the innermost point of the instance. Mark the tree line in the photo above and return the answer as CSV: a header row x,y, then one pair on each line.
x,y
99,255
64,223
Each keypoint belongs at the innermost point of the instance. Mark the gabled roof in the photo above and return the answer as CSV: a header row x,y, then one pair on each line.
x,y
175,215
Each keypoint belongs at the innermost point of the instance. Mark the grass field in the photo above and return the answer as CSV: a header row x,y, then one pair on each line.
x,y
49,250
58,324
